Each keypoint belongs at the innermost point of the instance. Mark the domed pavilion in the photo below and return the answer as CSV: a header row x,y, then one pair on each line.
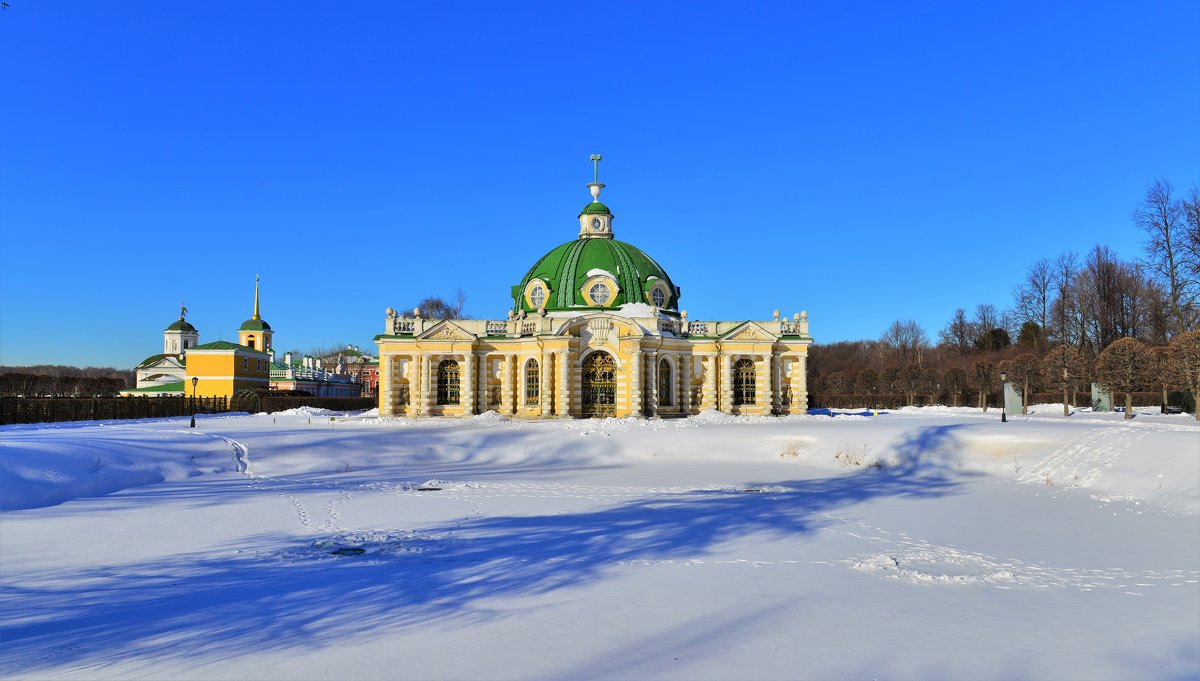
x,y
595,329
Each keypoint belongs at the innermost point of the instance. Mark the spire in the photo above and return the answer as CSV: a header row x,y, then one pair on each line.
x,y
256,315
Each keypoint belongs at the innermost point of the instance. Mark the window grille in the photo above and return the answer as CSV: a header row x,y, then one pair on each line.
x,y
664,383
743,382
532,382
447,382
599,293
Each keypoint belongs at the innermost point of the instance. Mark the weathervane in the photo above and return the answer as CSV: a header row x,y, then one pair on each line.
x,y
596,159
596,185
182,310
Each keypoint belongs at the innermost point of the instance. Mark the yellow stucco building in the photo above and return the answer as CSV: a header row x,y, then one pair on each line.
x,y
595,330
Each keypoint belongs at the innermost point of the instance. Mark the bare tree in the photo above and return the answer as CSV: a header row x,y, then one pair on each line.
x,y
904,342
959,334
1163,219
954,379
1064,367
1122,367
910,381
930,383
1163,371
1066,325
1033,295
1190,243
1024,369
983,378
990,331
1185,354
433,307
867,381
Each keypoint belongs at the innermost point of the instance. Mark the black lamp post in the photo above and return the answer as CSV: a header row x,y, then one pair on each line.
x,y
1003,381
195,380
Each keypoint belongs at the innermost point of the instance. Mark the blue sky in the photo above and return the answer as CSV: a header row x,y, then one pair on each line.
x,y
862,161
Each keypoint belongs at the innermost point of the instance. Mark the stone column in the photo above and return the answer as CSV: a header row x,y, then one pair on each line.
x,y
562,388
652,383
481,383
546,384
683,365
800,385
762,383
725,386
467,392
635,379
412,389
506,387
708,399
425,378
776,383
514,379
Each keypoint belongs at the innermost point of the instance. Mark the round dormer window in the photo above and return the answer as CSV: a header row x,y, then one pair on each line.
x,y
658,297
537,296
599,293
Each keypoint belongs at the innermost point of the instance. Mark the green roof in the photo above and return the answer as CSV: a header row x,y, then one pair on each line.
x,y
225,345
566,267
254,325
176,387
154,358
181,325
595,207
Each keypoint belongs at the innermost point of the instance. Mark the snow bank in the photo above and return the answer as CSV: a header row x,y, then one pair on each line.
x,y
309,411
49,466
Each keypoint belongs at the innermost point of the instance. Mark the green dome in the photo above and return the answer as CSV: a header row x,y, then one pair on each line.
x,y
596,208
254,325
566,268
181,325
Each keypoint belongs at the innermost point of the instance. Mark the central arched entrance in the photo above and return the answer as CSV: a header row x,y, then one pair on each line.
x,y
599,385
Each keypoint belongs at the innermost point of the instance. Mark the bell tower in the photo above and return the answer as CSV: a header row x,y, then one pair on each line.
x,y
180,336
595,220
255,332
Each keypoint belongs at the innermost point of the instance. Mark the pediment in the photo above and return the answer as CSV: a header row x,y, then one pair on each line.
x,y
446,330
601,325
751,332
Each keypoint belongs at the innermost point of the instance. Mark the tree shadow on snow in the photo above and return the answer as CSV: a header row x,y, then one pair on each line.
x,y
289,594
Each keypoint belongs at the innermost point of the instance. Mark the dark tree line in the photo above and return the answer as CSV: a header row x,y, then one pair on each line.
x,y
63,381
1067,312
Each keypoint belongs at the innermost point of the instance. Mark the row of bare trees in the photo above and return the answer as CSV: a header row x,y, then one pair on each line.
x,y
62,381
1071,304
1126,366
1093,300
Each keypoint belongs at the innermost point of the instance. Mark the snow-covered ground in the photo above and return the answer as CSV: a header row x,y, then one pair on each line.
x,y
920,543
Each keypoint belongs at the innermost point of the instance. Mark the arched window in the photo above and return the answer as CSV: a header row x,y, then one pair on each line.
x,y
743,382
250,341
447,382
664,382
532,382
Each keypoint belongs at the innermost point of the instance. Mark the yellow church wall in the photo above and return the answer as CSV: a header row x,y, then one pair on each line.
x,y
222,373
